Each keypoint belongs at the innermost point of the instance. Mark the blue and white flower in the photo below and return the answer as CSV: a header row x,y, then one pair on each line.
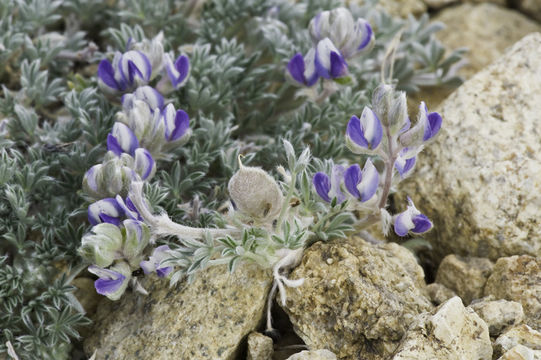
x,y
103,245
106,210
129,209
144,164
349,36
405,161
427,127
126,72
330,188
112,282
412,221
303,69
121,139
363,185
110,178
147,94
177,71
154,263
177,123
329,62
364,135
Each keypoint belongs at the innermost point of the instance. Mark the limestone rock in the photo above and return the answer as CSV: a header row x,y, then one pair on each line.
x,y
530,7
521,352
479,181
498,314
401,8
313,355
357,299
518,278
438,293
485,29
438,4
517,335
466,276
206,319
260,347
451,332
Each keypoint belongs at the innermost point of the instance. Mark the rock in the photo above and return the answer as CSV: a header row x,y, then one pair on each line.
x,y
518,278
521,352
498,314
451,332
86,294
260,347
357,299
530,7
466,276
401,8
517,335
313,355
438,4
479,181
206,319
438,293
485,29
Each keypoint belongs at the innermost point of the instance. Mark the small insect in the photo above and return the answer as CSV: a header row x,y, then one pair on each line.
x,y
58,148
138,273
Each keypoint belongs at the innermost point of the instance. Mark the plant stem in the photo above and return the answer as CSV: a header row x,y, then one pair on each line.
x,y
289,195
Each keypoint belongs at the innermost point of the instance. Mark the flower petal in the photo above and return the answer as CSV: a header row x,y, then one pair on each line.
x,y
372,129
182,124
355,132
370,181
352,178
322,185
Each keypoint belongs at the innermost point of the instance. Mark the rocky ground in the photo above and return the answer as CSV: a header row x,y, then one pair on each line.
x,y
481,185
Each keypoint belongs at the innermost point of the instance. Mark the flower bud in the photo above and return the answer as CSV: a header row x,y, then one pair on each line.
x,y
362,184
147,94
364,135
146,124
144,164
110,178
137,236
255,193
126,72
103,245
122,139
154,262
330,188
177,123
302,69
153,50
178,71
107,210
329,62
427,126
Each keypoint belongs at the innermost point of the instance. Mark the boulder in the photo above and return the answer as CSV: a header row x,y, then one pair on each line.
x,y
530,7
521,352
479,181
206,319
451,332
401,8
260,347
518,278
518,335
438,293
313,355
438,4
498,314
466,276
357,299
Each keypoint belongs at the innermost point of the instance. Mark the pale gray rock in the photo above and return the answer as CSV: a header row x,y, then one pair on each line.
x,y
357,299
517,335
260,347
518,278
530,7
486,29
206,319
451,332
521,352
322,354
401,8
498,314
438,4
479,181
438,293
466,276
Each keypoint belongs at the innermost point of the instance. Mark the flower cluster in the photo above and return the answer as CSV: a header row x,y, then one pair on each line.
x,y
336,37
385,132
145,130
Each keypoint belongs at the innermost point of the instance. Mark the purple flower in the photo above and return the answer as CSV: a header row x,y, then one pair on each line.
x,y
405,162
147,94
112,282
329,62
302,69
427,127
124,73
362,185
145,166
411,220
177,72
327,188
128,207
154,262
105,211
176,123
364,135
122,139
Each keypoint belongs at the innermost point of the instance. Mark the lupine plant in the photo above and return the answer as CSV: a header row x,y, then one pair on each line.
x,y
161,138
